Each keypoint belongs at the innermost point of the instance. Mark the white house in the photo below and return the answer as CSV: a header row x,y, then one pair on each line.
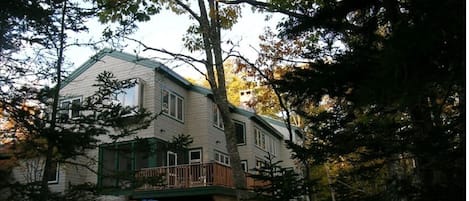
x,y
203,173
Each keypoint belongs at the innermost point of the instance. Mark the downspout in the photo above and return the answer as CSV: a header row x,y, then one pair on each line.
x,y
154,100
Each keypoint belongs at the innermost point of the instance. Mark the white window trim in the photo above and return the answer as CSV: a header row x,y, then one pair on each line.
x,y
244,131
218,122
260,141
244,165
225,158
56,181
168,153
273,146
167,110
266,142
196,161
260,160
69,110
139,95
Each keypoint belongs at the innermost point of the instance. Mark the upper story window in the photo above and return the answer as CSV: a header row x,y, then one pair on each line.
x,y
173,105
273,146
259,138
217,118
240,132
130,97
70,108
266,142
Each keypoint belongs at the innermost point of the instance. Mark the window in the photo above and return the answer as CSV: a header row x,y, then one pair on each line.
x,y
195,156
259,138
244,165
240,132
53,173
69,108
266,142
173,105
130,97
273,146
222,158
217,118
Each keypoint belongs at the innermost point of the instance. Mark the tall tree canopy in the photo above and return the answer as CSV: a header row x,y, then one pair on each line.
x,y
396,72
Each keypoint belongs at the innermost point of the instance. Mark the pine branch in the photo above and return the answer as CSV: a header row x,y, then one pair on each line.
x,y
267,6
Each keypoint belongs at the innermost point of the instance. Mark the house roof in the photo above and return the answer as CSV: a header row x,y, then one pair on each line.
x,y
146,62
161,68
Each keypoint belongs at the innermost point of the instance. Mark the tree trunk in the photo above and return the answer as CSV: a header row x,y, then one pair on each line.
x,y
210,30
329,181
423,123
44,192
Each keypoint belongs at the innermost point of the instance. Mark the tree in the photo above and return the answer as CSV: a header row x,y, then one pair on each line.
x,y
239,78
276,182
41,27
204,36
398,89
70,139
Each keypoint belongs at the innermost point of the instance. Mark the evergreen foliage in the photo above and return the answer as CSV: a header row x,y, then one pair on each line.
x,y
99,118
395,70
277,183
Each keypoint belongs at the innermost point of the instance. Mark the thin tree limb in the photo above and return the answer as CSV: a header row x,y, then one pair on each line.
x,y
266,6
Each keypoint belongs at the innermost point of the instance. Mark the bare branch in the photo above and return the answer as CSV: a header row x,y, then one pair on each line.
x,y
181,57
80,165
283,104
277,58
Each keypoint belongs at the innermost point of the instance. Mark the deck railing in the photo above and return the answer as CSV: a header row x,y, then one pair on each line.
x,y
188,176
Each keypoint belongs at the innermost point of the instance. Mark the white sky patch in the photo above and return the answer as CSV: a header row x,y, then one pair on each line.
x,y
165,31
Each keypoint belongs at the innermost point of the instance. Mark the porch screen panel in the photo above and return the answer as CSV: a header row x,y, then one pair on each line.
x,y
108,167
143,151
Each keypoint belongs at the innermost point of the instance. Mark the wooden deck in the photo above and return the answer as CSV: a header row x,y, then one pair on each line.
x,y
188,176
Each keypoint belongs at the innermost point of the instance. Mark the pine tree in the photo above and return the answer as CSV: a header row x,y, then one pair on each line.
x,y
277,183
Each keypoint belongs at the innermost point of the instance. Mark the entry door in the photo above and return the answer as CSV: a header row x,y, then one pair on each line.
x,y
171,161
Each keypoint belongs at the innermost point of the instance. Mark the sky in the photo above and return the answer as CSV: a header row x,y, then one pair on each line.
x,y
165,30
